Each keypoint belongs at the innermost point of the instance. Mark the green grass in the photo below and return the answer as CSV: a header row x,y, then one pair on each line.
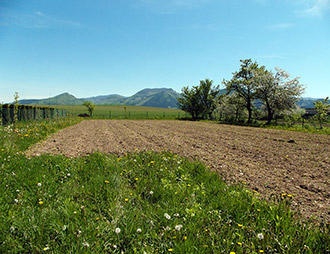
x,y
127,112
161,203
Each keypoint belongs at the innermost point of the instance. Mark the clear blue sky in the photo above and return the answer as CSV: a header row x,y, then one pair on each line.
x,y
101,47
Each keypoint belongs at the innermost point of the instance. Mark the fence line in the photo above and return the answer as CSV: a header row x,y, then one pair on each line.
x,y
9,114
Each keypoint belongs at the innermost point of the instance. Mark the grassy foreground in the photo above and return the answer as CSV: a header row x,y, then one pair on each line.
x,y
143,202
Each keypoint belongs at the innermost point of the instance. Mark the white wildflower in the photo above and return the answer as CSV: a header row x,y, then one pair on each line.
x,y
139,230
117,230
176,215
151,192
167,216
39,184
115,246
178,227
16,200
85,244
68,174
260,236
167,228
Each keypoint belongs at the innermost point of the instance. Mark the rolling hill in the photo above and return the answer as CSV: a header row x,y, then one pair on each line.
x,y
156,97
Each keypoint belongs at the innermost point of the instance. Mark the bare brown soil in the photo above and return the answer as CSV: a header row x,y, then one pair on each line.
x,y
271,162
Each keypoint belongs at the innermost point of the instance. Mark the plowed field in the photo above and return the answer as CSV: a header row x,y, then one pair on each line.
x,y
270,162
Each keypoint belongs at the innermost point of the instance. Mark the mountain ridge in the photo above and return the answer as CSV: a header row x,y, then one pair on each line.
x,y
149,97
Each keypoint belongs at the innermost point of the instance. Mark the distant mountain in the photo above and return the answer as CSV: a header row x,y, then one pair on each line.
x,y
61,99
307,102
157,97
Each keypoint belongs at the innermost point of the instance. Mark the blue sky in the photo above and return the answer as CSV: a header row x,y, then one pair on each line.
x,y
100,47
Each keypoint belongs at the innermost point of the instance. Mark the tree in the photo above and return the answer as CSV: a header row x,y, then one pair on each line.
x,y
208,96
276,91
231,107
199,101
243,84
90,107
322,109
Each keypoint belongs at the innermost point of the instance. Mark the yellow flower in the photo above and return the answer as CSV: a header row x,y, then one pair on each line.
x,y
188,185
289,196
206,230
106,181
121,174
97,218
170,250
136,179
152,162
261,251
258,210
243,182
41,202
240,225
131,194
284,194
26,135
239,243
184,238
232,252
126,199
46,248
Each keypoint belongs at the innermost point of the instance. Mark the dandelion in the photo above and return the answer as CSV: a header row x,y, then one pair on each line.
x,y
239,243
39,184
117,230
232,252
178,227
126,199
131,194
151,192
139,230
260,236
40,202
170,250
46,248
289,196
167,216
206,230
136,179
261,251
184,238
97,218
106,181
240,225
258,210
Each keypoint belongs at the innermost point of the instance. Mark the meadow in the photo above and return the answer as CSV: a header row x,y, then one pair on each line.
x,y
126,112
140,202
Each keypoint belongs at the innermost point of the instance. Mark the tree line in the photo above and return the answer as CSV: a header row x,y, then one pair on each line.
x,y
275,92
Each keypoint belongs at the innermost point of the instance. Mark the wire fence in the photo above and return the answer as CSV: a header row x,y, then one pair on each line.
x,y
9,113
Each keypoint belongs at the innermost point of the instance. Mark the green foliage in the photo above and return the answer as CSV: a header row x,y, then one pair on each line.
x,y
90,107
199,101
140,202
243,84
323,108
